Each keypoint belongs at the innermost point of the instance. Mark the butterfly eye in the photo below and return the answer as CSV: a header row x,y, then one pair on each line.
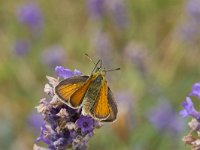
x,y
99,79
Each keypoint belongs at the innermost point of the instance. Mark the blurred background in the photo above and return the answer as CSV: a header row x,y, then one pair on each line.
x,y
155,43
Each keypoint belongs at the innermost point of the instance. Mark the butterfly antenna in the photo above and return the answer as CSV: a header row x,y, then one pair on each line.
x,y
90,58
113,69
95,64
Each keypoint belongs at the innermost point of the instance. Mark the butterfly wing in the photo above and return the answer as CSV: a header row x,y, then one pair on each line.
x,y
101,110
77,97
68,86
112,107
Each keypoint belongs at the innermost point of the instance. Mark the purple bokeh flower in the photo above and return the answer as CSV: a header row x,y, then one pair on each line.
x,y
21,47
136,53
30,15
189,109
195,90
163,116
102,43
64,127
190,29
53,56
118,13
193,9
96,8
35,120
113,9
103,46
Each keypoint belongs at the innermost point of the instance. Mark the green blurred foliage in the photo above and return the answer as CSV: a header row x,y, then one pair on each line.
x,y
154,59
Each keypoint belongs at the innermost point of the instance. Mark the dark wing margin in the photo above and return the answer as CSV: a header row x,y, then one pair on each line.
x,y
68,86
74,80
112,106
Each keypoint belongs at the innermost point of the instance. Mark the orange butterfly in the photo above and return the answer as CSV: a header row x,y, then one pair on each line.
x,y
91,93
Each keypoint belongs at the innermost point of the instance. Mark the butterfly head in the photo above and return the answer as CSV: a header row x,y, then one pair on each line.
x,y
98,67
100,70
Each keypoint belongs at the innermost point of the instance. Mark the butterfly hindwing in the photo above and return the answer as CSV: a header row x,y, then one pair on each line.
x,y
112,107
68,86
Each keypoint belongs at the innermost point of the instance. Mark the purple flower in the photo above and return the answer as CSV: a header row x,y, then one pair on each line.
x,y
53,56
30,15
103,46
64,127
62,72
86,124
193,9
114,9
189,109
35,120
195,90
77,72
163,117
193,137
96,8
137,54
43,136
189,32
21,47
66,73
52,138
160,115
119,13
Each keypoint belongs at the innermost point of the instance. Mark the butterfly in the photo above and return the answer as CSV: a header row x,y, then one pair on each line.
x,y
91,93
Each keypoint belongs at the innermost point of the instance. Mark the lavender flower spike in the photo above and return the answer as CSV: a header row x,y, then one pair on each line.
x,y
64,127
195,90
21,47
189,110
193,137
96,8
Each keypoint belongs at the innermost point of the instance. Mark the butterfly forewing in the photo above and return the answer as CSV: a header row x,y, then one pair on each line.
x,y
77,97
100,109
68,86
